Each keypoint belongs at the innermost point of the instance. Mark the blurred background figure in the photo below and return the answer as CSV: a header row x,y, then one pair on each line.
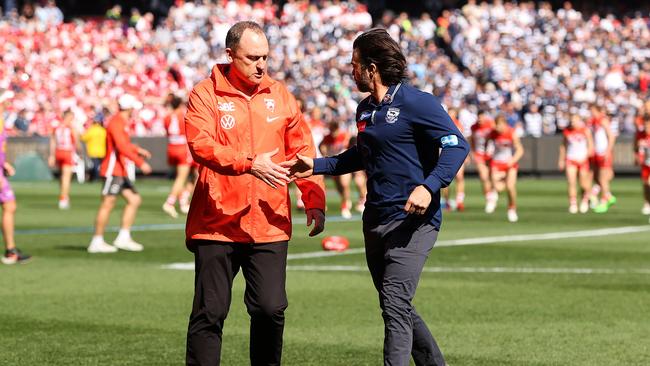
x,y
504,164
643,159
577,146
120,152
95,140
459,181
12,254
604,139
335,142
179,159
481,155
64,151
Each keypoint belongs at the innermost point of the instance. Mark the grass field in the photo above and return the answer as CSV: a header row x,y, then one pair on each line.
x,y
499,301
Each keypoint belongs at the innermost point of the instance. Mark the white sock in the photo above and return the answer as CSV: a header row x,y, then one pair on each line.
x,y
97,239
124,234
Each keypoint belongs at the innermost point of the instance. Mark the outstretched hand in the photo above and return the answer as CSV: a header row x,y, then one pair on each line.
x,y
269,172
301,167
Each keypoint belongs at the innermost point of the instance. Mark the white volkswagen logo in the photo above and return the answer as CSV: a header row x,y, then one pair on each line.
x,y
227,121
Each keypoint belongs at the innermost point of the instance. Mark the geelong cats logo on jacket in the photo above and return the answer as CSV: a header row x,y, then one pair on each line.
x,y
392,114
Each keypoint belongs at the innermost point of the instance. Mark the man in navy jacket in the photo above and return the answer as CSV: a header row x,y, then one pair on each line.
x,y
410,149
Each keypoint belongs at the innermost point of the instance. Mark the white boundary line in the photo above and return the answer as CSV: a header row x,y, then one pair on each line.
x,y
479,241
480,270
524,270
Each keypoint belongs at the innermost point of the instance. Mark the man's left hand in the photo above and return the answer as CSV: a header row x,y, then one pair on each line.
x,y
318,217
418,201
144,153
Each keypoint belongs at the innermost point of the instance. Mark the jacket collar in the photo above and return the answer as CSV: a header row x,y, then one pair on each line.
x,y
388,97
222,84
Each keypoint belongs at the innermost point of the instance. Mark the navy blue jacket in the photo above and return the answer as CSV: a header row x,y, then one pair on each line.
x,y
405,141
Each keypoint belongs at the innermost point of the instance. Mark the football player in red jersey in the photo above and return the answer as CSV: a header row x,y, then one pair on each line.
x,y
602,159
64,144
119,151
576,148
504,164
178,157
459,203
643,159
334,143
481,156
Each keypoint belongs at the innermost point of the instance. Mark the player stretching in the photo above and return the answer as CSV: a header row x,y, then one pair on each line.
x,y
179,157
64,145
604,140
643,158
479,144
575,150
505,163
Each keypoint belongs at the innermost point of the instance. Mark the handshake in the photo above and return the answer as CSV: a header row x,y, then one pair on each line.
x,y
283,173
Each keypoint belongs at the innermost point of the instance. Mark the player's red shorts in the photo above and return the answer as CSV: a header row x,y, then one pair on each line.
x,y
645,173
602,161
503,167
480,158
178,155
63,158
581,166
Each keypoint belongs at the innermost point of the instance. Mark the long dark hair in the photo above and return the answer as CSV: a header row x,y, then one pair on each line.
x,y
377,47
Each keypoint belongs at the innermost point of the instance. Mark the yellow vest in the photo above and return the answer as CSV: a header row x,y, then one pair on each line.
x,y
95,139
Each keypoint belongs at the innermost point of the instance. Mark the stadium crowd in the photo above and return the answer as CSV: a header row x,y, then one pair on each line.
x,y
535,65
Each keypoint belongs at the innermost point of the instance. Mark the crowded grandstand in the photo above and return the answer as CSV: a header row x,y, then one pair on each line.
x,y
526,60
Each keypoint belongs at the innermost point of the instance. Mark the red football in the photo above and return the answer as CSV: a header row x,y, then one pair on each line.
x,y
336,243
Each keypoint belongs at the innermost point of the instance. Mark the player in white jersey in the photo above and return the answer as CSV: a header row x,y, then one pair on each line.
x,y
64,145
504,164
576,148
602,159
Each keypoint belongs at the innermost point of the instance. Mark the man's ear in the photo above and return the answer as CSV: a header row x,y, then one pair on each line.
x,y
230,55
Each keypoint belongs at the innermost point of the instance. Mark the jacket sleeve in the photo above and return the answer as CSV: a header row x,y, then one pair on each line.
x,y
123,144
346,162
298,140
436,124
200,130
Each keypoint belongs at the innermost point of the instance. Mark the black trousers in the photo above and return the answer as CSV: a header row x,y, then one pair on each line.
x,y
264,268
396,253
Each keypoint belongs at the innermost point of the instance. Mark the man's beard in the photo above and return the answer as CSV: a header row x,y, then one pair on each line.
x,y
364,84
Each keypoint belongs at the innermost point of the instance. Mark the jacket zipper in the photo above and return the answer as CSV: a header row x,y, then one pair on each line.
x,y
252,189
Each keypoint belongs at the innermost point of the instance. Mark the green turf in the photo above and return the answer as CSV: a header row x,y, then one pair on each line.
x,y
68,307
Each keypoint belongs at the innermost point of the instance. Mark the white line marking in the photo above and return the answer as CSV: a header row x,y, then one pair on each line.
x,y
586,271
471,241
481,270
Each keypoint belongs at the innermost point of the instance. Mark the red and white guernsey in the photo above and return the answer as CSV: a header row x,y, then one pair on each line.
x,y
601,142
64,138
504,147
577,146
480,136
644,148
175,126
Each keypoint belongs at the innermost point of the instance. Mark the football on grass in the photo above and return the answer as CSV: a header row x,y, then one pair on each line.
x,y
336,243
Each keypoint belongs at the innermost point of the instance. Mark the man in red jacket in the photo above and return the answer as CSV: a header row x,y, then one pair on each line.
x,y
120,152
240,124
